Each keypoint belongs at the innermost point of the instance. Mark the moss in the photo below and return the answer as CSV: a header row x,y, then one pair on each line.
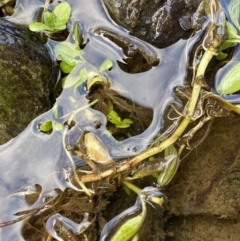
x,y
25,69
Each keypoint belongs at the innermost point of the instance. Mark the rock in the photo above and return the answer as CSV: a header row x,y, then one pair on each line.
x,y
204,197
156,22
25,71
139,57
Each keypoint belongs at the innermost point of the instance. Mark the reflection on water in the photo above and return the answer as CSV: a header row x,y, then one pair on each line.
x,y
36,158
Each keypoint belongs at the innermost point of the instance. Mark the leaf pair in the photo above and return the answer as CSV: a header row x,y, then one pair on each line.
x,y
53,21
115,119
69,54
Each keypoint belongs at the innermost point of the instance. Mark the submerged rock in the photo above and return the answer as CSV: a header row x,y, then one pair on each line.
x,y
25,71
160,22
138,57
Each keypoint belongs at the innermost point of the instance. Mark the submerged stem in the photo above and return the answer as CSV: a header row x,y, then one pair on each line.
x,y
66,128
197,85
157,200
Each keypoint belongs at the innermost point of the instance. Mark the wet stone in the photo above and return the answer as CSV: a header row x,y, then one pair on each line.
x,y
160,23
25,71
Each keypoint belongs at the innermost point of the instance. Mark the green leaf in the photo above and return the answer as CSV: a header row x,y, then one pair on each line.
x,y
107,64
62,11
234,12
122,125
231,81
73,80
231,31
37,27
155,175
221,56
55,111
76,34
82,77
127,224
113,117
46,126
49,19
172,163
57,126
227,44
58,27
66,68
125,123
69,81
127,189
67,52
232,38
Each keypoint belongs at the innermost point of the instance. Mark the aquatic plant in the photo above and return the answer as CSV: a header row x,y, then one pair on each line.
x,y
53,21
101,175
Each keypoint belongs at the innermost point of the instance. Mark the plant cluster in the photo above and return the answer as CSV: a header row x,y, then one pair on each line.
x,y
201,107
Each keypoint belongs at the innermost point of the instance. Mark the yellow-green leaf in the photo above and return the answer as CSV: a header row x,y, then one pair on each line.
x,y
46,126
234,12
37,27
62,12
231,81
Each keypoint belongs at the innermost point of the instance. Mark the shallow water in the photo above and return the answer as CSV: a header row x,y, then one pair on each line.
x,y
36,158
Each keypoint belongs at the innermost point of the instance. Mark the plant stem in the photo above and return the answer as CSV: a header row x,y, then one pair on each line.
x,y
131,186
157,200
197,85
66,128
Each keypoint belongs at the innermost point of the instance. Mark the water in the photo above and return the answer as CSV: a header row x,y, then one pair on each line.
x,y
36,158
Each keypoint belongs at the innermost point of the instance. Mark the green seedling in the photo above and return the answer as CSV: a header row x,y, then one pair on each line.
x,y
54,21
115,119
69,55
